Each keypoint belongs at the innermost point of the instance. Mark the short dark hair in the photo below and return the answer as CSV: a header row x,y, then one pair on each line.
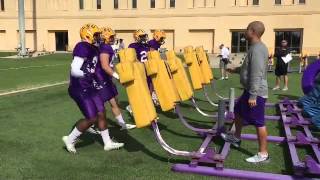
x,y
257,27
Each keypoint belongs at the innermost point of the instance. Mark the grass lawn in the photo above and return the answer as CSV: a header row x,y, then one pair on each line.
x,y
34,122
25,73
3,54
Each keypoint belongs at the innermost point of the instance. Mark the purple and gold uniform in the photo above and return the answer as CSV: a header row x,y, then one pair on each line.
x,y
154,44
106,88
81,89
142,56
141,51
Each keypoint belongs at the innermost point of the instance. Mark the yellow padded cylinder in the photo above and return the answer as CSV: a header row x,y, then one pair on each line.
x,y
137,90
151,67
127,55
193,67
162,83
126,71
204,65
179,76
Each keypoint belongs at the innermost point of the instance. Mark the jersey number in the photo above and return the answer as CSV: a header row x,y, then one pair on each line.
x,y
143,56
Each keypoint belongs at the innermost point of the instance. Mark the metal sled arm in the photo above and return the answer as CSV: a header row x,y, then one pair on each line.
x,y
169,149
189,126
208,98
194,104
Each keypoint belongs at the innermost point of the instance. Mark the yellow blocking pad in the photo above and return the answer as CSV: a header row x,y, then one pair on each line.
x,y
126,71
137,89
162,83
179,76
128,55
193,67
204,65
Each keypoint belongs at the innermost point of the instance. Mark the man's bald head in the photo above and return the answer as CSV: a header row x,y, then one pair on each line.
x,y
256,27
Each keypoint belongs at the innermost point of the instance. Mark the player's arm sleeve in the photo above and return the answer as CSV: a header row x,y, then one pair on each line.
x,y
256,65
76,65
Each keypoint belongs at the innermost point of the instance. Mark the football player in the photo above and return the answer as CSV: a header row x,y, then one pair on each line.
x,y
105,72
82,91
158,40
140,45
142,48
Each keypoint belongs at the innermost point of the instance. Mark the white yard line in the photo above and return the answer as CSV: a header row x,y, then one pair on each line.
x,y
27,67
33,88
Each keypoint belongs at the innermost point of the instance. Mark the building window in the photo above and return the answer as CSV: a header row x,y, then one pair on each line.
x,y
152,3
172,3
277,2
80,4
115,4
255,2
2,5
235,2
134,4
293,37
98,4
302,1
238,42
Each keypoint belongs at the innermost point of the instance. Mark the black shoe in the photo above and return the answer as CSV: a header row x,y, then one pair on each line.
x,y
231,139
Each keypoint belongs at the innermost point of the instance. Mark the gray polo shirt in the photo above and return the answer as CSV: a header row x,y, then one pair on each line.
x,y
253,74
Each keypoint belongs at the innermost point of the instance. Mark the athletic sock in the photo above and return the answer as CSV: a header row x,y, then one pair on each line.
x,y
264,155
105,136
120,120
75,133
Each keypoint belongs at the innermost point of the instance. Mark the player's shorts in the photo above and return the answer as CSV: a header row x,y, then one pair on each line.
x,y
88,101
108,91
250,115
223,64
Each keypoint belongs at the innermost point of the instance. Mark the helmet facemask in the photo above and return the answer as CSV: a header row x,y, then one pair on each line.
x,y
162,40
143,39
112,39
96,39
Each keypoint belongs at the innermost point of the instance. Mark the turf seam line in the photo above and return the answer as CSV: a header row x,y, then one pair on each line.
x,y
27,67
33,88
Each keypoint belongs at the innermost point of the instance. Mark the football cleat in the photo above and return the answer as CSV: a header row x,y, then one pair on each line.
x,y
112,145
69,146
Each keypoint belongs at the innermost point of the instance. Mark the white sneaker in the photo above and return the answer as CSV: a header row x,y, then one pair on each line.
x,y
112,145
70,147
276,88
127,126
227,78
92,130
221,78
285,89
258,158
128,108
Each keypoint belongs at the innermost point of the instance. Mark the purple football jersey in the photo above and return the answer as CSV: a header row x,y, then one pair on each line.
x,y
90,55
101,75
141,51
154,44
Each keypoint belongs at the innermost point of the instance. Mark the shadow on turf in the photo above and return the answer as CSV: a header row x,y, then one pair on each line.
x,y
131,144
219,141
172,115
189,106
164,127
283,96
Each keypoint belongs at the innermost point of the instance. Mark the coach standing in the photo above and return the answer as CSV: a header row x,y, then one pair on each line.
x,y
281,66
224,60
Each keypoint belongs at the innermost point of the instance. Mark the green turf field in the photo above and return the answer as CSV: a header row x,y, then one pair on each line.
x,y
32,124
3,54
